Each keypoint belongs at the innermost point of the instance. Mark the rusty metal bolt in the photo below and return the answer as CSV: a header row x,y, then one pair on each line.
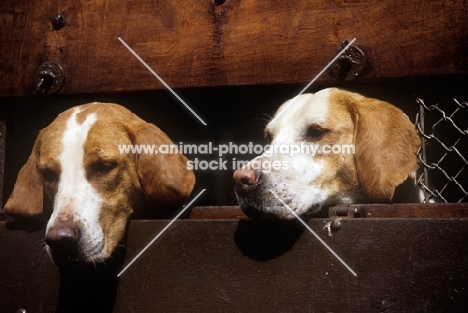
x,y
49,78
350,65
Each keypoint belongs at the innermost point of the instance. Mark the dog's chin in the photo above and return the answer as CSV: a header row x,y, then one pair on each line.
x,y
276,211
258,213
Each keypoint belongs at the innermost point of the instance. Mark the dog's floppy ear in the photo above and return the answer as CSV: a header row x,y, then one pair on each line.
x,y
26,200
386,145
165,178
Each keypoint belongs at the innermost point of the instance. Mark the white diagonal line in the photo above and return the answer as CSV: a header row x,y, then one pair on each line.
x,y
313,80
161,80
313,233
160,233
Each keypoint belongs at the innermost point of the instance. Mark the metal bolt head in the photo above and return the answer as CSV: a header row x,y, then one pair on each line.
x,y
335,224
350,65
58,21
49,78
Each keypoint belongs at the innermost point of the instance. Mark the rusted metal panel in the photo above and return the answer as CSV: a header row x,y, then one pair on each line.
x,y
233,42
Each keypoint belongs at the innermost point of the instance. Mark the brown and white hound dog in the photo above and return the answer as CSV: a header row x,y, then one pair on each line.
x,y
385,156
95,188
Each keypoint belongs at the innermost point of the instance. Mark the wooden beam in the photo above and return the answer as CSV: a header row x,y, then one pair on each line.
x,y
201,43
402,265
216,212
251,266
401,210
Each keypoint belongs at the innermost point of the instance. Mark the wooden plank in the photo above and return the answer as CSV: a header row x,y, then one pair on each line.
x,y
201,43
29,280
401,210
379,210
413,265
402,265
217,212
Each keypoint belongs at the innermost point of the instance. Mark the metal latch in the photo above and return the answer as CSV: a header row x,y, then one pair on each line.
x,y
343,211
347,211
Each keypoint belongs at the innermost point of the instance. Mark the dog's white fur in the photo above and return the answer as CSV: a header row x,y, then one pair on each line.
x,y
385,141
76,198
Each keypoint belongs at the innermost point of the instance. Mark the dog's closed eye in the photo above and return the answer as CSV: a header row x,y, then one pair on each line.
x,y
49,175
315,132
102,167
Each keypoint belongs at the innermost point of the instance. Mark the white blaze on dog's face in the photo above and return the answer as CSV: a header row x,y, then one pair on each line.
x,y
94,187
75,200
333,124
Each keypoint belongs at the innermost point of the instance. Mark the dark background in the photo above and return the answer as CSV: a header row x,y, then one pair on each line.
x,y
233,114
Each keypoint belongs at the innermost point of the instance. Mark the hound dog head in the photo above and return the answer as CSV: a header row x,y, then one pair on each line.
x,y
94,187
374,150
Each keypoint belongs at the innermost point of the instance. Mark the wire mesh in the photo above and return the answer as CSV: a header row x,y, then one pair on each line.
x,y
443,154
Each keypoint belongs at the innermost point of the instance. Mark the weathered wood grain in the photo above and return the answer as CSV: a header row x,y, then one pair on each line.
x,y
217,212
201,43
402,265
400,210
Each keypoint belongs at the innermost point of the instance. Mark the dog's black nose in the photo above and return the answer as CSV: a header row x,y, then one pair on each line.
x,y
63,238
244,179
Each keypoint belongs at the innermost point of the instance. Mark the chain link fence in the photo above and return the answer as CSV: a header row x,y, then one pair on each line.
x,y
443,156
